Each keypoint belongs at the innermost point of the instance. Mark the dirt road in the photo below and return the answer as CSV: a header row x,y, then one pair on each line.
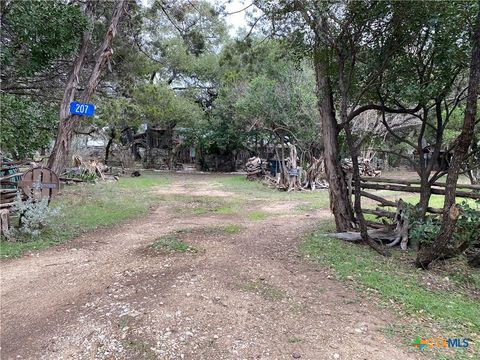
x,y
245,295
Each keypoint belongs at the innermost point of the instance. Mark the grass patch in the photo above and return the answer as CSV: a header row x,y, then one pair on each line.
x,y
204,205
140,349
453,313
297,308
436,201
232,229
225,210
257,215
86,207
211,230
171,243
466,279
147,180
257,191
265,290
241,184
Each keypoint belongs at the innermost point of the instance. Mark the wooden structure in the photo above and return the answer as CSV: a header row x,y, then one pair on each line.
x,y
396,233
408,186
37,183
399,216
40,183
9,178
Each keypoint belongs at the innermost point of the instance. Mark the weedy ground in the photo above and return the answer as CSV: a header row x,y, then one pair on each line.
x,y
259,263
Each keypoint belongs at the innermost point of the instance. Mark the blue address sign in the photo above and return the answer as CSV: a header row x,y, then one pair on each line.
x,y
82,109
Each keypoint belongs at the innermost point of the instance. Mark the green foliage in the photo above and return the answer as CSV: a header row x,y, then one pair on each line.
x,y
199,25
38,33
283,103
467,227
27,125
264,95
159,105
117,111
36,217
425,232
468,224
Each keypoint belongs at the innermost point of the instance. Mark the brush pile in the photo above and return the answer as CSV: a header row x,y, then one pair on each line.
x,y
315,176
83,171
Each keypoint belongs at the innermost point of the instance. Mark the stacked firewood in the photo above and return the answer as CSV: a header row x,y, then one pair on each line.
x,y
254,167
365,166
10,174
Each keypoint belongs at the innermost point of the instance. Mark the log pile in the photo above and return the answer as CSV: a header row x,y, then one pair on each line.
x,y
289,175
11,173
365,166
254,167
7,197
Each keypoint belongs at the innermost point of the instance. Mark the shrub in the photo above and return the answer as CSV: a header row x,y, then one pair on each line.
x,y
34,217
467,228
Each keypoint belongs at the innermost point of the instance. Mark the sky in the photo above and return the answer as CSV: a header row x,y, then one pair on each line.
x,y
237,20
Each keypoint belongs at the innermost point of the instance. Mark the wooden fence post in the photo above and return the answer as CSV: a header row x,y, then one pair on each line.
x,y
4,222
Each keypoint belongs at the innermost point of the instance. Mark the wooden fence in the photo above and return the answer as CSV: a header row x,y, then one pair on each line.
x,y
407,186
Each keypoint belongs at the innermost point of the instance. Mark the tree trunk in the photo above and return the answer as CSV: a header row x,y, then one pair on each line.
x,y
425,194
474,163
5,223
356,170
462,144
339,202
113,135
59,155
